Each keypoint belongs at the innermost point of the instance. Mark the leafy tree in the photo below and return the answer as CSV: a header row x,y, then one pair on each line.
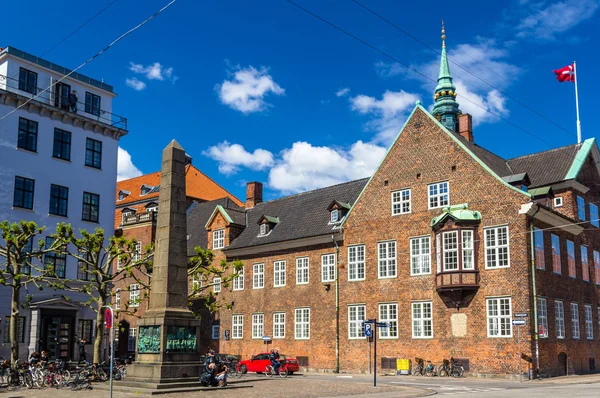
x,y
18,270
203,272
96,277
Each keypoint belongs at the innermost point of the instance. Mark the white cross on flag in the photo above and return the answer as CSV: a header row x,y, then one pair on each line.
x,y
566,74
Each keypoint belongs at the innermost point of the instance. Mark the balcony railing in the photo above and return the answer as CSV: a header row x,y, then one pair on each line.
x,y
139,218
454,280
52,98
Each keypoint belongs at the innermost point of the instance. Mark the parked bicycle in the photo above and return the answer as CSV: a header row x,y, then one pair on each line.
x,y
430,370
451,368
418,367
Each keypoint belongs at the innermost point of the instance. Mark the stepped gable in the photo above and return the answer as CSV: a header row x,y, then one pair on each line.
x,y
300,216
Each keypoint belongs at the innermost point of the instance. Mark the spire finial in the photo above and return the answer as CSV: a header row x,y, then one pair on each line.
x,y
443,35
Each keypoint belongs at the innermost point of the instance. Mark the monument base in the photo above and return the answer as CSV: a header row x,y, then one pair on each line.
x,y
164,372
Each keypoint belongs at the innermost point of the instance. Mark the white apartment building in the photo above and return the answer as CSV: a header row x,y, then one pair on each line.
x,y
58,163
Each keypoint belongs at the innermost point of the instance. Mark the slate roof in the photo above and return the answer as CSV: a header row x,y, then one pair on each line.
x,y
198,214
545,168
301,216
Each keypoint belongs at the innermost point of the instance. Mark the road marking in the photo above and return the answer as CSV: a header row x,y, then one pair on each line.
x,y
344,377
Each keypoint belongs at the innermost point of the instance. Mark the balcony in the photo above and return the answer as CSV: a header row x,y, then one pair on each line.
x,y
138,218
59,102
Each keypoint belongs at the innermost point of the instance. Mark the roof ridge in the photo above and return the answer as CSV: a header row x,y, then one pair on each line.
x,y
311,191
548,151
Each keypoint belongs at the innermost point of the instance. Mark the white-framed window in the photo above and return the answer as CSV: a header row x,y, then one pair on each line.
x,y
218,239
386,259
420,256
594,215
558,201
335,216
328,268
258,326
302,270
137,255
401,202
388,312
422,320
217,285
438,194
258,276
356,263
575,320
302,324
237,326
151,209
238,281
134,295
542,311
468,261
216,332
559,314
356,318
263,229
279,273
196,283
538,237
450,241
556,263
585,265
499,317
131,339
496,247
118,299
279,325
580,208
126,214
589,323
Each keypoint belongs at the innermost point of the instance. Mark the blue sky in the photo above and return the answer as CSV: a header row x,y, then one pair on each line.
x,y
263,91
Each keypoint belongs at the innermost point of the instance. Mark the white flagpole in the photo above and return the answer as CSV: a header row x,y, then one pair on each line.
x,y
577,103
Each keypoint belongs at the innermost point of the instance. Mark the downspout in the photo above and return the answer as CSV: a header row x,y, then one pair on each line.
x,y
337,306
535,318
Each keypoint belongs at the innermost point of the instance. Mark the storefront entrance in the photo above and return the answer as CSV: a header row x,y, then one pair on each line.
x,y
58,332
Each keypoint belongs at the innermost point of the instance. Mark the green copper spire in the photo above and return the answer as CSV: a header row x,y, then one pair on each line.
x,y
445,108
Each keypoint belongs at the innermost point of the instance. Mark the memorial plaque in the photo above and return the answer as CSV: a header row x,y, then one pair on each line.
x,y
458,324
181,339
149,339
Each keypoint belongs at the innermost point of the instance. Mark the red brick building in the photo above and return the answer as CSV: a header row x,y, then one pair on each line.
x,y
438,243
137,207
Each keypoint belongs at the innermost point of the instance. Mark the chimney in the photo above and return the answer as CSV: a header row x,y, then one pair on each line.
x,y
465,126
253,194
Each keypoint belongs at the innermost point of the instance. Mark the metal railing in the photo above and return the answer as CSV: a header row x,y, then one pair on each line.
x,y
50,97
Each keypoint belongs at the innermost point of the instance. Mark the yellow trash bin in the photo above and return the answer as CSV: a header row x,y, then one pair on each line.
x,y
403,366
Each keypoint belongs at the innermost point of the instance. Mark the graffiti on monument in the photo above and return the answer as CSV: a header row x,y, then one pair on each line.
x,y
149,340
181,339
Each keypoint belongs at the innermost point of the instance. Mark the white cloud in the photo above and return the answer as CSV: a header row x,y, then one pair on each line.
x,y
550,18
135,84
485,61
232,156
155,71
125,167
304,166
342,92
246,91
389,113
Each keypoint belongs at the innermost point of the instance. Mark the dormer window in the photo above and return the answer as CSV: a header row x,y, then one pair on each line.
x,y
126,213
266,225
152,206
123,194
145,189
337,211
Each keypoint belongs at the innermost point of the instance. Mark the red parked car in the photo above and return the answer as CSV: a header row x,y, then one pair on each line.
x,y
259,362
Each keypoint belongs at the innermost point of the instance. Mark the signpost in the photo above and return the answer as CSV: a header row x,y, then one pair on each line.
x,y
518,323
108,321
370,326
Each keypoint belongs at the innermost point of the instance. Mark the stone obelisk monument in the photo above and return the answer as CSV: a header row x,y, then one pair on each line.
x,y
167,345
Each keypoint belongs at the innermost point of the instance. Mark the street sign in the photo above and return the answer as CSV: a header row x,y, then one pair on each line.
x,y
368,329
266,338
108,318
521,315
518,322
383,325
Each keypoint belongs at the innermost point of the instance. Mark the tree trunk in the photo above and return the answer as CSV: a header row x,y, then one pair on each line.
x,y
99,335
14,323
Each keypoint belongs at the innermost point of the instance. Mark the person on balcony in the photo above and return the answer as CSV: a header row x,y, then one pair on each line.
x,y
73,99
